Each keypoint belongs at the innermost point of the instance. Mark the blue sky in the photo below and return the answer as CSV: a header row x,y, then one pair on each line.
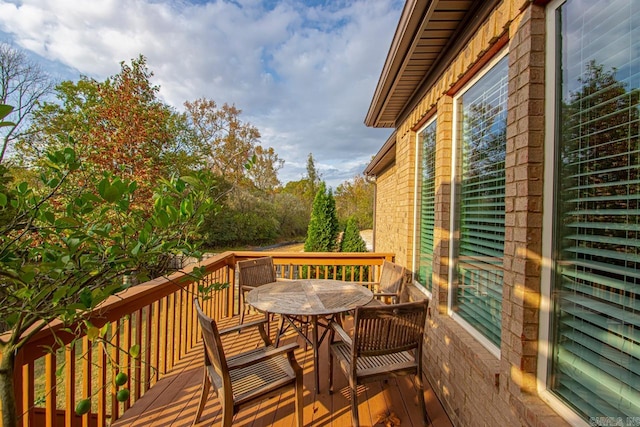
x,y
303,72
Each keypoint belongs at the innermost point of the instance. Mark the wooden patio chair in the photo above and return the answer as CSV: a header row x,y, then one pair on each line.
x,y
246,377
389,287
386,341
253,273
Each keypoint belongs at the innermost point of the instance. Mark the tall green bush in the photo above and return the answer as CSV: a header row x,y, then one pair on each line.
x,y
323,230
352,241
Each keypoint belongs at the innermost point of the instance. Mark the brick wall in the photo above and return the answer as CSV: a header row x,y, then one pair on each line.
x,y
476,387
394,202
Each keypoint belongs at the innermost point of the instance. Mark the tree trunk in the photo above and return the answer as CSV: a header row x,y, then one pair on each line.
x,y
7,391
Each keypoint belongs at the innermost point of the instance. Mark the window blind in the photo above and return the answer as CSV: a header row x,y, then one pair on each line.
x,y
481,202
427,141
595,365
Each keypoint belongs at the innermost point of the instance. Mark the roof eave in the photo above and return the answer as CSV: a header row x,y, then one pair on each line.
x,y
385,157
408,24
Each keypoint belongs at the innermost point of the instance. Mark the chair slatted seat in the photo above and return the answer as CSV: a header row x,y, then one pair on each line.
x,y
246,377
386,341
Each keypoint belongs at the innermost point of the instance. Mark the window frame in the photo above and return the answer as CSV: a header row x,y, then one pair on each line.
x,y
417,204
453,204
546,324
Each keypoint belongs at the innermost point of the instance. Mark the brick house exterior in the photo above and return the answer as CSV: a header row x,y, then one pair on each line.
x,y
439,50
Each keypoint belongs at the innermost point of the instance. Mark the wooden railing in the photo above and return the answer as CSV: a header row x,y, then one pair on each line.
x,y
145,331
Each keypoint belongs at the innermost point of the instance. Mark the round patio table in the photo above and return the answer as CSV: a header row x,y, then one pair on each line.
x,y
306,301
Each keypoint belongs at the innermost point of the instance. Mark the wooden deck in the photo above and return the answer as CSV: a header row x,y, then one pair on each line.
x,y
173,400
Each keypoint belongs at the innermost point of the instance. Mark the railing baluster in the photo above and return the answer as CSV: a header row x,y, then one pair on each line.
x,y
25,400
155,311
137,361
115,367
87,368
50,389
164,331
126,364
102,384
70,385
148,344
189,319
171,347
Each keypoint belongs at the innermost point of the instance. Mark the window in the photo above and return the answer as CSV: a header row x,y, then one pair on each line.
x,y
481,111
426,193
594,364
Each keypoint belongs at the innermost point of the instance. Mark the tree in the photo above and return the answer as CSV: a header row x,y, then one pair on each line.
x,y
22,84
313,178
120,124
264,168
352,241
323,229
354,198
227,143
62,256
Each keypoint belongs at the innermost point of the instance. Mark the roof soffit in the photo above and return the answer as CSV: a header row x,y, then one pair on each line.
x,y
422,44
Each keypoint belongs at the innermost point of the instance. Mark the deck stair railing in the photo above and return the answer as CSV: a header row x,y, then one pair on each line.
x,y
145,331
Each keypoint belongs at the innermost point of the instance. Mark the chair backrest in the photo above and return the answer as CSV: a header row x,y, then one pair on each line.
x,y
392,277
387,329
214,354
256,272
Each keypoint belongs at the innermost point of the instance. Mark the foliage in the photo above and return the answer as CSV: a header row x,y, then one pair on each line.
x,y
246,218
68,248
354,198
323,227
120,123
292,215
352,241
224,142
23,84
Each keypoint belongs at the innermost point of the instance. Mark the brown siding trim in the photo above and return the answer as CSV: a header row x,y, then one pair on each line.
x,y
484,60
424,119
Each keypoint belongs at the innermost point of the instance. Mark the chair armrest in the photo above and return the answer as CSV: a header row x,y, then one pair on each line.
x,y
344,336
242,327
369,285
385,294
258,356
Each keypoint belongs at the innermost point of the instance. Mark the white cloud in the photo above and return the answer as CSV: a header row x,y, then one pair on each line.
x,y
303,74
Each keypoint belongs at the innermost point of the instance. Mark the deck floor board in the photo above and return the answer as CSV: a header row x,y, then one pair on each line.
x,y
173,400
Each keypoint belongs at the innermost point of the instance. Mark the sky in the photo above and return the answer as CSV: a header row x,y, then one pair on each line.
x,y
302,72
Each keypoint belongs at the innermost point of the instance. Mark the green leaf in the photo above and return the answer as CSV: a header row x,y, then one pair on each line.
x,y
136,250
67,221
134,351
86,298
104,329
49,217
92,333
23,187
5,110
3,200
